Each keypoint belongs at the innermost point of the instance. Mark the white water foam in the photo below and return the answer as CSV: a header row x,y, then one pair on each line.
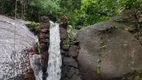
x,y
55,61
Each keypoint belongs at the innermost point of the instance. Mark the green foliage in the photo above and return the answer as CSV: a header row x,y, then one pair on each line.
x,y
37,8
71,9
99,71
82,12
34,27
127,3
100,10
79,12
95,10
7,7
47,6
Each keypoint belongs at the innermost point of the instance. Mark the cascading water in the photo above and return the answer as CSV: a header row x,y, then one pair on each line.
x,y
55,61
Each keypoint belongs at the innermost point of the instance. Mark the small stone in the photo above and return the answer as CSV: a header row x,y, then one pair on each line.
x,y
73,51
77,71
63,52
71,72
65,70
66,78
70,61
66,47
75,77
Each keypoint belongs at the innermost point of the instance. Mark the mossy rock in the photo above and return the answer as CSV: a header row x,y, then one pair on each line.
x,y
113,44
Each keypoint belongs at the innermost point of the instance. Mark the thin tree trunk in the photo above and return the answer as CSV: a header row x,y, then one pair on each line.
x,y
22,12
15,8
23,3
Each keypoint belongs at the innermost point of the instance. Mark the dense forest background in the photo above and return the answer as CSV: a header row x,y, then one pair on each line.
x,y
80,13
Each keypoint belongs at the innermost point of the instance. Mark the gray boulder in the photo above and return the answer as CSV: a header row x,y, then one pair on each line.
x,y
15,38
108,51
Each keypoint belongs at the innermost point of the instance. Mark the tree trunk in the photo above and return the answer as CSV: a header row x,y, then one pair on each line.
x,y
15,8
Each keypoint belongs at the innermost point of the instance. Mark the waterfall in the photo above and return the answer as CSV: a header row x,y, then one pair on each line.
x,y
55,61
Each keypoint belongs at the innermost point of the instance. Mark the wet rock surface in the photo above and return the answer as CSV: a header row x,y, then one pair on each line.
x,y
15,39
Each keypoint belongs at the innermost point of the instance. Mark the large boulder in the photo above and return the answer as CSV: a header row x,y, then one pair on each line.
x,y
15,39
108,51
